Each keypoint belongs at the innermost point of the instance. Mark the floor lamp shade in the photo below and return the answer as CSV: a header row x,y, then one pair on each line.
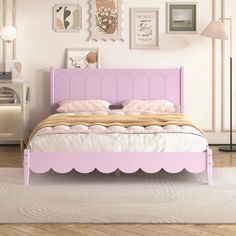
x,y
216,30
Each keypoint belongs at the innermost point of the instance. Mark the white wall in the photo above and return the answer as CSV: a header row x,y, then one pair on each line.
x,y
39,47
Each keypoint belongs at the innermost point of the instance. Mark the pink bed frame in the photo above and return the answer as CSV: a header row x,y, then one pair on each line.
x,y
115,86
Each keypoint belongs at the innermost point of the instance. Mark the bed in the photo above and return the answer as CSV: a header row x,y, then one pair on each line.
x,y
115,86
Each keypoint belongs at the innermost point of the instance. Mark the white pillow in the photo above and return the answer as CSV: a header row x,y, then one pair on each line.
x,y
91,105
160,106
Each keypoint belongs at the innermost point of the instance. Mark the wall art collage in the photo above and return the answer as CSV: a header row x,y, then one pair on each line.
x,y
106,24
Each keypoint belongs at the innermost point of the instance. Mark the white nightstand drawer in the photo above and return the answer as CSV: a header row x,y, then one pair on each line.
x,y
10,122
14,111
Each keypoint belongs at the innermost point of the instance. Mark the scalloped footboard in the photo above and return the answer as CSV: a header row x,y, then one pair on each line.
x,y
128,162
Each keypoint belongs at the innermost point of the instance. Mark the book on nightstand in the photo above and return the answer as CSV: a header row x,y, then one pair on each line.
x,y
5,76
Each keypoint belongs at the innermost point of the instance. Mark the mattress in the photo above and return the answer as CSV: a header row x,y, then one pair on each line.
x,y
97,138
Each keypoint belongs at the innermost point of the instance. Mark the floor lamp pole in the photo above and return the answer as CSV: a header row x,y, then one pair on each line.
x,y
230,148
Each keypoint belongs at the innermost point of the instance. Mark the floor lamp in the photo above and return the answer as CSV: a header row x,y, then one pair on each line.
x,y
216,30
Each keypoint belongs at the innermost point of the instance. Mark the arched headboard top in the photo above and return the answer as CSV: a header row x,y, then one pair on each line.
x,y
117,85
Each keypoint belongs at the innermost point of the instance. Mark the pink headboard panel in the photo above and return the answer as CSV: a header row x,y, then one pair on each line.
x,y
117,85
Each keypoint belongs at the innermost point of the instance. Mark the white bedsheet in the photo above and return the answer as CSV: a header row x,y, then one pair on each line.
x,y
118,142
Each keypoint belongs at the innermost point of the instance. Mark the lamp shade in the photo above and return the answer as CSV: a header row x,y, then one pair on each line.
x,y
8,33
215,30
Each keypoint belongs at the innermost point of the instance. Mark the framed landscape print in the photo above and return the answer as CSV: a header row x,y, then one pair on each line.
x,y
181,17
82,58
144,28
105,19
67,17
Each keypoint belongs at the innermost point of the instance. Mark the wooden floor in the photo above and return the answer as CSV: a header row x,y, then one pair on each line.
x,y
10,156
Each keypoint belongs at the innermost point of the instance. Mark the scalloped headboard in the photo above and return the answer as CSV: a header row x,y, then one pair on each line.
x,y
117,85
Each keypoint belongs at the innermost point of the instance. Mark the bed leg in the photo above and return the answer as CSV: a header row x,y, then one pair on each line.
x,y
117,173
209,164
26,167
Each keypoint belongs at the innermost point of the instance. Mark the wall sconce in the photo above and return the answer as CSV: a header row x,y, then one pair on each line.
x,y
8,33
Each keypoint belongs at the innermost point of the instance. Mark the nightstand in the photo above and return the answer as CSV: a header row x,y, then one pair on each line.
x,y
14,111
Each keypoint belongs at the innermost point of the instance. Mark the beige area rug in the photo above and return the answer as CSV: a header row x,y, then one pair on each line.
x,y
135,198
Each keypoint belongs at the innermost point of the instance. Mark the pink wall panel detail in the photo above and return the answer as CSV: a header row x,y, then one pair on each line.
x,y
77,84
124,87
93,86
61,89
172,83
157,86
141,86
109,87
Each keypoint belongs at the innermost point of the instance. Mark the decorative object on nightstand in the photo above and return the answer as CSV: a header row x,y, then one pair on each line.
x,y
14,67
216,30
14,112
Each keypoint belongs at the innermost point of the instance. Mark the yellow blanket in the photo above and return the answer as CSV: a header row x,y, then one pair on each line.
x,y
120,120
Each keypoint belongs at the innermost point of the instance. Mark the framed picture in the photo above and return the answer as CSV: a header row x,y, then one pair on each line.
x,y
105,19
82,58
144,28
67,17
182,17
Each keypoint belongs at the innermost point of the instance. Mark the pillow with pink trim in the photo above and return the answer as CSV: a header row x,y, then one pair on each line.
x,y
159,106
91,105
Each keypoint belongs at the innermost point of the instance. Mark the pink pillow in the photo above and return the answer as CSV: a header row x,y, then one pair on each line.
x,y
162,106
83,105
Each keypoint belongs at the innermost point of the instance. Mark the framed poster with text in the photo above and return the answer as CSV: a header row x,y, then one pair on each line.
x,y
144,28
